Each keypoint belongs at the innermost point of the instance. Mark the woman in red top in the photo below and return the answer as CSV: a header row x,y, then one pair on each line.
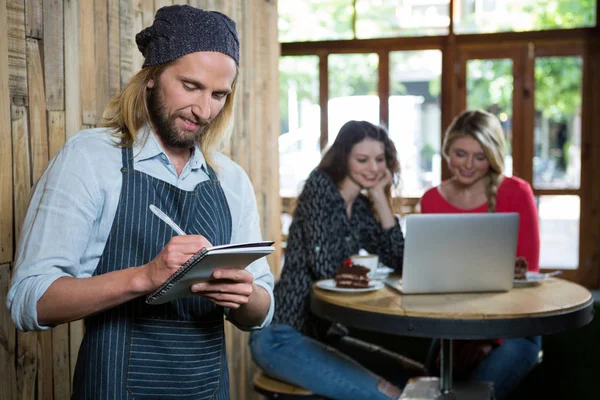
x,y
474,150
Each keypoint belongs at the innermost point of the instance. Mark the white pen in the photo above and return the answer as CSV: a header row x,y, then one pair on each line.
x,y
166,219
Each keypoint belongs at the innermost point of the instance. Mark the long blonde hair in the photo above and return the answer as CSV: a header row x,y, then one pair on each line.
x,y
486,129
127,113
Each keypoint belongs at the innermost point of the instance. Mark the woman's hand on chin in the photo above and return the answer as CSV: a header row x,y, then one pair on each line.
x,y
378,189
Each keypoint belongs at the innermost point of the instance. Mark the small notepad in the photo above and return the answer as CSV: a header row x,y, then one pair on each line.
x,y
202,264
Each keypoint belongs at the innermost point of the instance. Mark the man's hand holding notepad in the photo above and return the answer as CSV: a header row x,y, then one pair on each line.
x,y
200,266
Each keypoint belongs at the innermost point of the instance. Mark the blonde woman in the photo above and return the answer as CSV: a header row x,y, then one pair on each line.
x,y
474,150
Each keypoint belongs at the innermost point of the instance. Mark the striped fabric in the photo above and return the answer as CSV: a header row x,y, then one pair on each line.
x,y
172,350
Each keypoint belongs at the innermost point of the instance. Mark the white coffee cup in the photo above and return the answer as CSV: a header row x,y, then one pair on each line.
x,y
370,261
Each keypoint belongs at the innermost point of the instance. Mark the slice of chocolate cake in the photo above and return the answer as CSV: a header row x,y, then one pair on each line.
x,y
351,275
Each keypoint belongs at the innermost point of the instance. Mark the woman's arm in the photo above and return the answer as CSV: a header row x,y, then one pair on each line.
x,y
318,234
387,243
383,235
380,201
528,245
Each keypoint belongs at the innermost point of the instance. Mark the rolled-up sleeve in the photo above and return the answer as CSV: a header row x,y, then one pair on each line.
x,y
54,234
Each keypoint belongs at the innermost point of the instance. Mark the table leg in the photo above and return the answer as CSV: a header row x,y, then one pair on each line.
x,y
442,388
446,369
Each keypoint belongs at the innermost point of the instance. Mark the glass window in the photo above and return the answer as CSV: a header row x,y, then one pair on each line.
x,y
299,150
352,90
392,18
490,87
559,231
557,159
312,20
486,16
415,117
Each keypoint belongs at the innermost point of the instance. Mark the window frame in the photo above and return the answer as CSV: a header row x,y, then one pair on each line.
x,y
523,48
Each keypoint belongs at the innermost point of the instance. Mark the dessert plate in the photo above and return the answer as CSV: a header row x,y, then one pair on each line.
x,y
329,284
534,279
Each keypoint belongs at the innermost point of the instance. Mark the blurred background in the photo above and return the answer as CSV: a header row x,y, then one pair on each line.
x,y
389,61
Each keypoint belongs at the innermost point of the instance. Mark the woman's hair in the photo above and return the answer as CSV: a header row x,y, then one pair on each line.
x,y
486,129
335,160
127,113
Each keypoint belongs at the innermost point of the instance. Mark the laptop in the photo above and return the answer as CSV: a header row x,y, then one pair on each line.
x,y
458,253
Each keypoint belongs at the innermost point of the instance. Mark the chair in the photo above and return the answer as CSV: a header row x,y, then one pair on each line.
x,y
275,389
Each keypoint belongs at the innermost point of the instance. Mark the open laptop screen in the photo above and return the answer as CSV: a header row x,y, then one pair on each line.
x,y
467,252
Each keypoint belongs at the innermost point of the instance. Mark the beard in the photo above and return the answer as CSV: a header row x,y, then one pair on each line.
x,y
165,126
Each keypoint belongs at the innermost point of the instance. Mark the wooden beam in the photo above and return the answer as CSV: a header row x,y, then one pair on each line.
x,y
452,79
272,212
8,373
114,48
589,234
21,167
60,362
54,71
519,59
17,62
138,25
45,390
76,332
524,37
383,88
34,22
27,364
71,50
126,43
87,63
38,130
436,42
362,45
101,58
56,131
27,353
324,97
556,192
6,178
527,54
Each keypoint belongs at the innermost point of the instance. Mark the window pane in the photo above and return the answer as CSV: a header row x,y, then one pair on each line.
x,y
392,18
479,16
559,231
415,117
557,160
490,87
352,90
299,150
306,20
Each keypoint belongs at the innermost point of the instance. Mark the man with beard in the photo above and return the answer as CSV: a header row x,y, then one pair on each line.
x,y
90,247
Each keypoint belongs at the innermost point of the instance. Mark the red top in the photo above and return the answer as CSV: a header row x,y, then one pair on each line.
x,y
514,195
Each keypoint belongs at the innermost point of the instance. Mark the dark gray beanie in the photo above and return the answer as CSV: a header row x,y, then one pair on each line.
x,y
181,29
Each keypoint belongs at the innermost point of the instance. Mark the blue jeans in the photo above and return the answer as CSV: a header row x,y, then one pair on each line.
x,y
506,365
284,353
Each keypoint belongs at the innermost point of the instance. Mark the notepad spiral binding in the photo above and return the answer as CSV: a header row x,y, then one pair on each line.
x,y
173,279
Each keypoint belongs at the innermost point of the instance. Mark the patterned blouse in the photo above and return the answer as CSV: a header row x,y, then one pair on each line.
x,y
321,237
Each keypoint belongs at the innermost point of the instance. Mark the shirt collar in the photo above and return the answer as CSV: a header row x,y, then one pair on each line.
x,y
147,149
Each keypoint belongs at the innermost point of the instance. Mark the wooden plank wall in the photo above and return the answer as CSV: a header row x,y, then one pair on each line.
x,y
62,62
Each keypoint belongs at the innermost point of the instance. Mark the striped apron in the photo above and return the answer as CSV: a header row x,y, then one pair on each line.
x,y
167,351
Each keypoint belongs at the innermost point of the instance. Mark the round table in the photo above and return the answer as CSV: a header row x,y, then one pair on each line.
x,y
553,306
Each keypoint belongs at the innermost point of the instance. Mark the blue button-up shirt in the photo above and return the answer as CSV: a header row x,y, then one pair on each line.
x,y
75,201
